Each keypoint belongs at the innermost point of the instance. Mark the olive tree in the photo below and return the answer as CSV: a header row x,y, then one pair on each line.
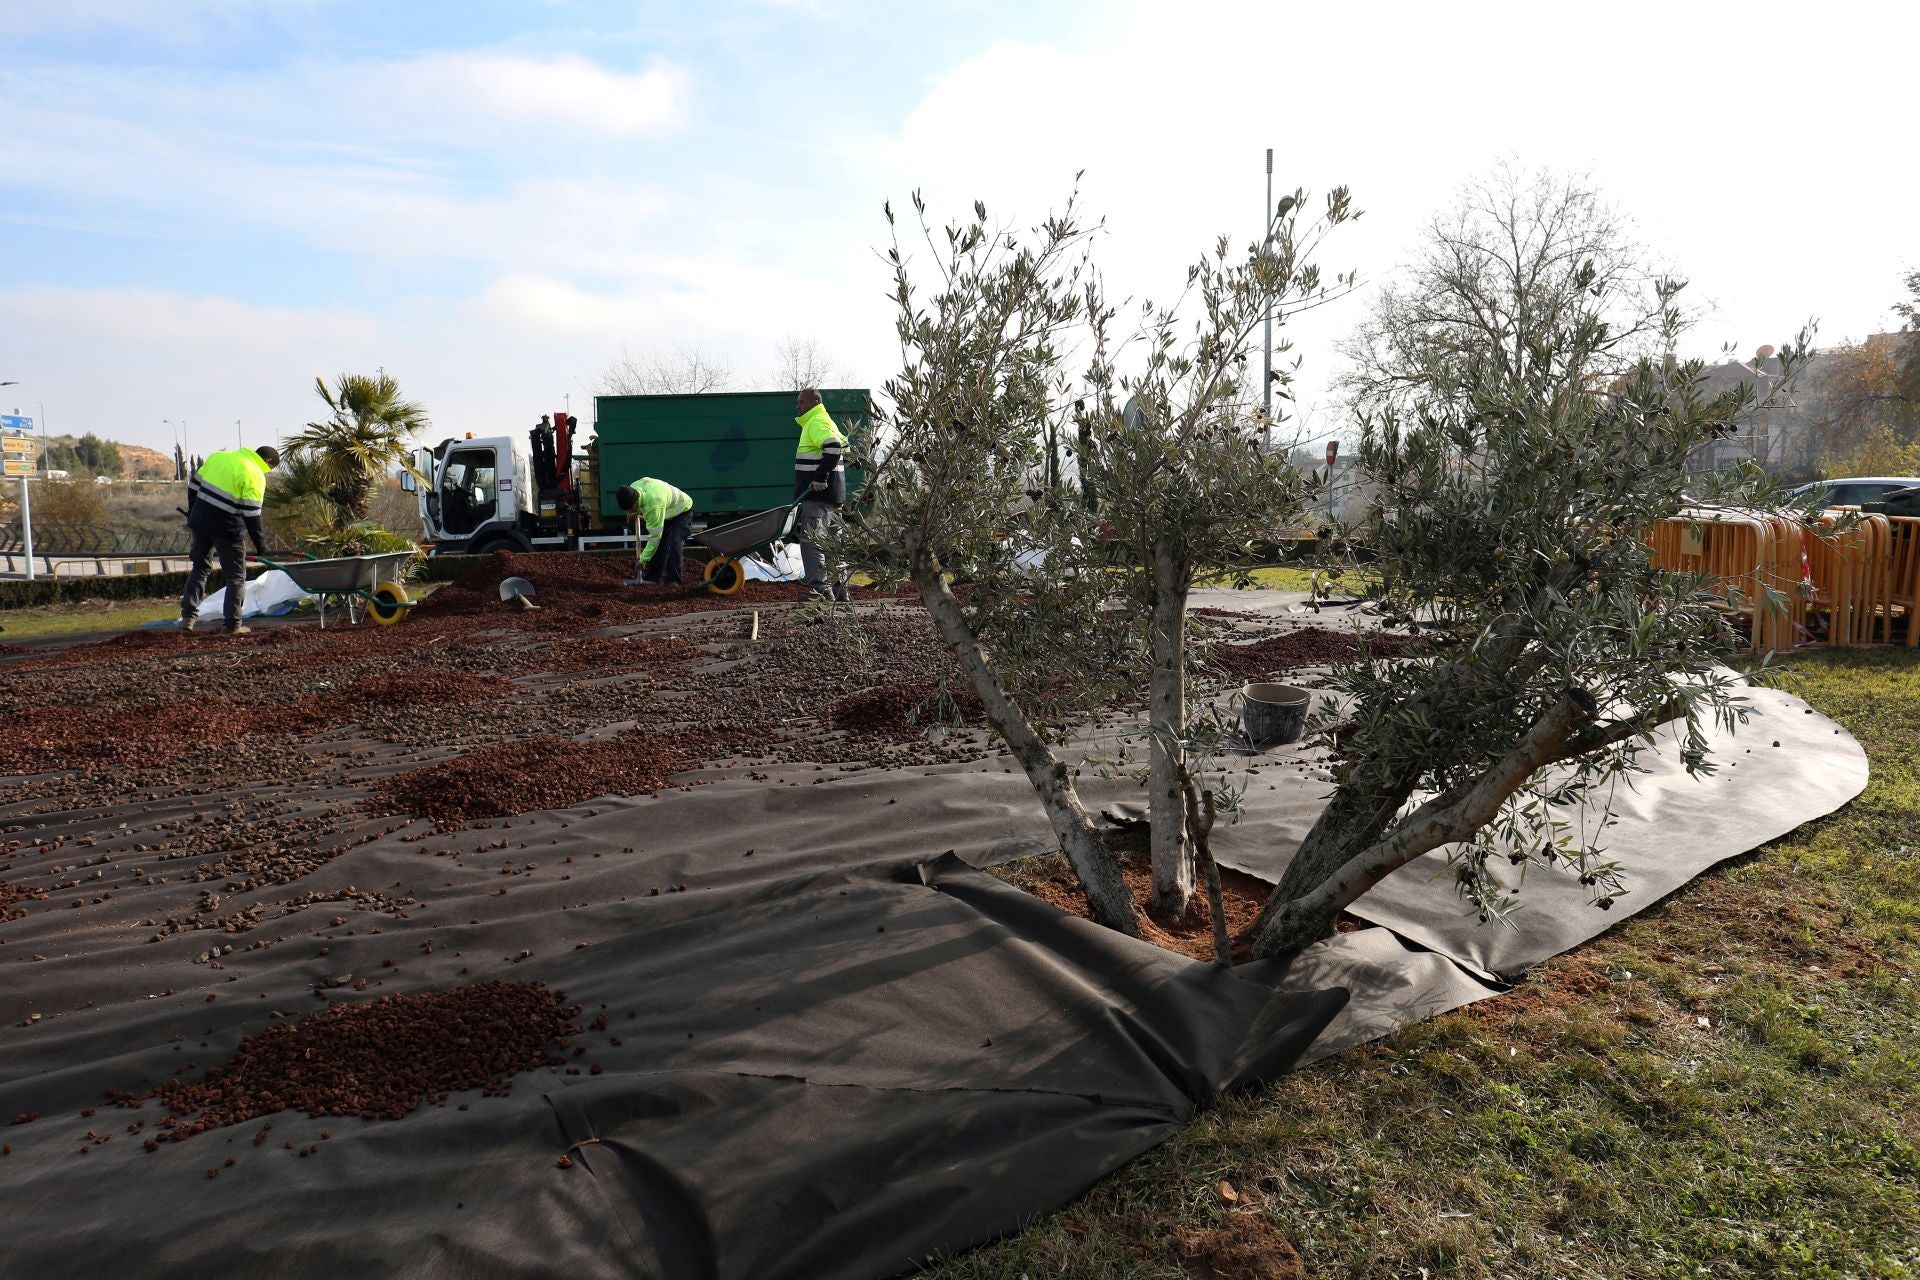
x,y
1512,489
953,503
1171,449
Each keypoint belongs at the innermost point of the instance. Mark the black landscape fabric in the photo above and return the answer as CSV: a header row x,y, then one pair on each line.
x,y
805,1042
831,1075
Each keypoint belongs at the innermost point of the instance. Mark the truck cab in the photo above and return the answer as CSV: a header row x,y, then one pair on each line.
x,y
481,496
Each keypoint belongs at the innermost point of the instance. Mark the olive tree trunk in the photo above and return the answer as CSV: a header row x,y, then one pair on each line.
x,y
1166,746
1306,906
1108,898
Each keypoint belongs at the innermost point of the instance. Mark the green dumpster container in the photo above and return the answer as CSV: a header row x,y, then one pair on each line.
x,y
732,452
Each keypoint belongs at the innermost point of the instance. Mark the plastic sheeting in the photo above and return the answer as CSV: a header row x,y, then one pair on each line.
x,y
268,596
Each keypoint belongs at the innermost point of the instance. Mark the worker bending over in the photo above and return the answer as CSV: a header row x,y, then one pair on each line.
x,y
820,482
224,501
663,517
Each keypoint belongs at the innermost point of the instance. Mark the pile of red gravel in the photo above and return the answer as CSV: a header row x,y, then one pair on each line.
x,y
905,710
77,737
1307,647
12,893
575,587
526,774
425,687
379,1060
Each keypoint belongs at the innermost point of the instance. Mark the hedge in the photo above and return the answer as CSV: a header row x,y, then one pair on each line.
x,y
21,594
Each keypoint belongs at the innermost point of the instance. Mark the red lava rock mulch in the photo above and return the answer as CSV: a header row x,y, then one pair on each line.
x,y
430,687
1248,1247
1192,934
542,773
78,737
577,585
905,710
379,1060
1307,647
12,893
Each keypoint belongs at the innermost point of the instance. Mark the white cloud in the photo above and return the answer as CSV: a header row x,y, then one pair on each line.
x,y
455,92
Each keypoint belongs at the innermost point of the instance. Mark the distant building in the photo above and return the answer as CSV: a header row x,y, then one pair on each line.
x,y
1790,435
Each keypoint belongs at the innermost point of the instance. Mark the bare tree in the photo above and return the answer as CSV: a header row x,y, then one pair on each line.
x,y
664,371
1517,259
804,362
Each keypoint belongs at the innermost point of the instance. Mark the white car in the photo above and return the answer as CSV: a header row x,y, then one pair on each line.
x,y
1851,491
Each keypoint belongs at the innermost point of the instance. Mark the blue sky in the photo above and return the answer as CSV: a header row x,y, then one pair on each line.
x,y
206,203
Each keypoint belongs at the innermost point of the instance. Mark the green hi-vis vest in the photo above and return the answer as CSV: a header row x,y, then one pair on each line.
x,y
659,503
233,480
820,456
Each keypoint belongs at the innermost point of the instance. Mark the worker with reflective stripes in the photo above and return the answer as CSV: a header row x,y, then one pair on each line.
x,y
820,482
224,501
666,515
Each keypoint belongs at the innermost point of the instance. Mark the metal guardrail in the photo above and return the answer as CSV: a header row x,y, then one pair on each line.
x,y
53,538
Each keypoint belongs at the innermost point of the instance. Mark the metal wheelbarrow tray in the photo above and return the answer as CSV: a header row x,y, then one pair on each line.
x,y
375,579
737,538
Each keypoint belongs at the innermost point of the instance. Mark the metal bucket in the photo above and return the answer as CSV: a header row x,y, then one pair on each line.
x,y
1273,713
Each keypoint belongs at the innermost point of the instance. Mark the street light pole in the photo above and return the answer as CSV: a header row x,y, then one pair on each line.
x,y
1266,381
26,506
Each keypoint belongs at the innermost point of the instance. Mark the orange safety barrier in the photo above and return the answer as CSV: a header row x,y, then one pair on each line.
x,y
1903,574
1756,560
1849,571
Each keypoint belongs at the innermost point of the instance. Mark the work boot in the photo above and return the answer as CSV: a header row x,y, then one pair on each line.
x,y
237,629
188,622
841,595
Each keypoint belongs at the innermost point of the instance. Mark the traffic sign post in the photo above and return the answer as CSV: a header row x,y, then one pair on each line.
x,y
22,467
1333,451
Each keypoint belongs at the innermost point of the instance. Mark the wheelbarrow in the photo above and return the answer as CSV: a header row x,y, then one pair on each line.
x,y
351,579
736,539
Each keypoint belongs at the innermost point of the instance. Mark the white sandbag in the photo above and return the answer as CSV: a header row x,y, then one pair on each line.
x,y
783,565
269,595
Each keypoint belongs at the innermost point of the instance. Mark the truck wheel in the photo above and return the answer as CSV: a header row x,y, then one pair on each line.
x,y
389,603
725,577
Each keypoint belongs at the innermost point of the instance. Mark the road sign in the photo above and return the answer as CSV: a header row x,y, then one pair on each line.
x,y
15,422
1333,451
22,467
15,444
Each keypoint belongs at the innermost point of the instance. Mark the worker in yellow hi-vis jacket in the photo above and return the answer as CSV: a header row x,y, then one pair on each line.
x,y
820,483
224,501
663,516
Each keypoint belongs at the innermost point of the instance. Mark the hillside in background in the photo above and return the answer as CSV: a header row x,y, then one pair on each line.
x,y
88,455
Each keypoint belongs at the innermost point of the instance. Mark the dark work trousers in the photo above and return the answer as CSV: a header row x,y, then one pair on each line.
x,y
671,554
233,563
818,517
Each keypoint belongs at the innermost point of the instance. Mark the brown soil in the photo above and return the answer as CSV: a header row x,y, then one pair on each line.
x,y
1247,1247
379,1060
1192,934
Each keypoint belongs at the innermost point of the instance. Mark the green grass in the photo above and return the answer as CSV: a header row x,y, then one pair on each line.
x,y
82,615
1725,1086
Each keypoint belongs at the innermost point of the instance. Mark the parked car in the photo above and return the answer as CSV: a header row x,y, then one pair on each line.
x,y
1852,491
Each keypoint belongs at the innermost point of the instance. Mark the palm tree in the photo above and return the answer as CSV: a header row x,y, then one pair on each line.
x,y
366,435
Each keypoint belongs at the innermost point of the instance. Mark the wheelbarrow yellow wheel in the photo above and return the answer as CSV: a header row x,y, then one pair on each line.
x,y
725,577
389,603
